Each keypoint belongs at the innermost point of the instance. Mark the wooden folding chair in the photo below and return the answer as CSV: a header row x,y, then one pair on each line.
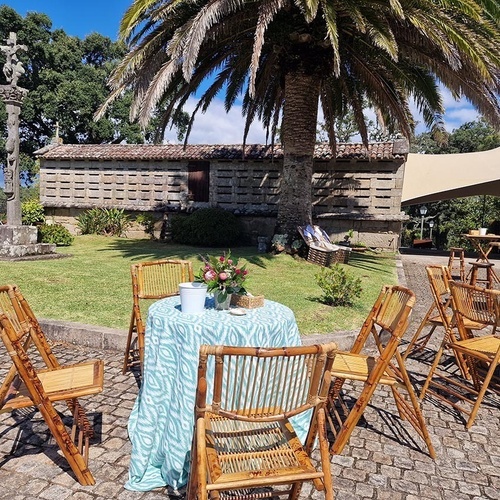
x,y
387,323
151,281
244,445
439,313
26,385
478,305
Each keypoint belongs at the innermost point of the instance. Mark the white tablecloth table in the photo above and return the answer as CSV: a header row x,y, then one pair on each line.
x,y
161,423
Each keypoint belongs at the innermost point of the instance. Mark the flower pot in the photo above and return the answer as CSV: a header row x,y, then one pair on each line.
x,y
192,297
221,305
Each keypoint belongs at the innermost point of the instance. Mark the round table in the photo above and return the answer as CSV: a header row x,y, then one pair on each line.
x,y
161,423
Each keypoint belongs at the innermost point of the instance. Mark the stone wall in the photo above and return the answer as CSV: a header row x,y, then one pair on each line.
x,y
353,194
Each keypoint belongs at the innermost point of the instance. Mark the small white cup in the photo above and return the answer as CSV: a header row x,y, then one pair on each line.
x,y
482,231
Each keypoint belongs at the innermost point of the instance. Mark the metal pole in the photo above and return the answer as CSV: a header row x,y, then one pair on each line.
x,y
422,228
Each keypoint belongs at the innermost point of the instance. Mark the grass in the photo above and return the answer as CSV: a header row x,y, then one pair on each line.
x,y
92,285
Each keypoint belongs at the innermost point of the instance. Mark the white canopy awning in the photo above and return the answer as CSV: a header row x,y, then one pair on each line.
x,y
442,177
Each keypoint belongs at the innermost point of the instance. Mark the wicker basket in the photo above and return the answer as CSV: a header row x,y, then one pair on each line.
x,y
327,257
247,301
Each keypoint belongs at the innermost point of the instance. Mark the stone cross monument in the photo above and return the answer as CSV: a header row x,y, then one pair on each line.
x,y
16,240
13,96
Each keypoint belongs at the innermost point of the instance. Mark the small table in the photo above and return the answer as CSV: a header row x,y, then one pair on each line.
x,y
483,249
161,423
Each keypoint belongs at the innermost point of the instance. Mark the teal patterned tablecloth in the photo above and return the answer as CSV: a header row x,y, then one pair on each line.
x,y
161,423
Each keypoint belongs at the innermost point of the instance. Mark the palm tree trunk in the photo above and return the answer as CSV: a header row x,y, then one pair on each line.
x,y
298,129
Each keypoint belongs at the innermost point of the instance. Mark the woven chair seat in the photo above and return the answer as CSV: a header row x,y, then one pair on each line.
x,y
66,383
488,345
242,450
358,367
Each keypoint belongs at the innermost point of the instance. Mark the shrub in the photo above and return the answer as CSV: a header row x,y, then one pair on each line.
x,y
32,213
147,221
210,227
55,234
340,288
106,221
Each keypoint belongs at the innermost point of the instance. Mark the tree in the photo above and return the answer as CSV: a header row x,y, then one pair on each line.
x,y
66,78
468,138
286,57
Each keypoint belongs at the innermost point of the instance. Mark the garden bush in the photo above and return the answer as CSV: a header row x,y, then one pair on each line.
x,y
340,288
105,221
210,227
147,221
32,213
55,234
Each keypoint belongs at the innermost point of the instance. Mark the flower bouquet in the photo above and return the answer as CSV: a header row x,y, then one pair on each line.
x,y
222,276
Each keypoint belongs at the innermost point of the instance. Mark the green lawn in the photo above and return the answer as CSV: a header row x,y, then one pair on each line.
x,y
92,285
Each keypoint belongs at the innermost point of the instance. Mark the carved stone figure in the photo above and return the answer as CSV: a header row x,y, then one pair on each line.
x,y
13,68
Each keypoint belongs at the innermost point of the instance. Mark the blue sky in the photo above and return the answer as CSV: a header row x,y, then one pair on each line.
x,y
80,18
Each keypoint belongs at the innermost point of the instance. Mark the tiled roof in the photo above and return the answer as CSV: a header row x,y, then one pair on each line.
x,y
145,152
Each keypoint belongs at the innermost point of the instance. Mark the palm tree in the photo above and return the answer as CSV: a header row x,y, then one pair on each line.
x,y
286,57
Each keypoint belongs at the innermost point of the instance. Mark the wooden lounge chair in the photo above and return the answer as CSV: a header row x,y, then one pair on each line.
x,y
243,438
481,355
151,280
28,386
387,323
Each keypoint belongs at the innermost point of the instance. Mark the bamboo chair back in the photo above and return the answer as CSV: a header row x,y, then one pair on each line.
x,y
27,385
386,323
474,308
151,280
243,437
474,304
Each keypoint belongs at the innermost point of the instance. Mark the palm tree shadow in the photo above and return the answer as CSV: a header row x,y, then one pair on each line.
x,y
143,250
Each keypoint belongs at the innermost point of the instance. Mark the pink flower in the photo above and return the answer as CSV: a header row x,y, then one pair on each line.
x,y
207,268
210,275
237,271
245,273
223,276
229,261
222,258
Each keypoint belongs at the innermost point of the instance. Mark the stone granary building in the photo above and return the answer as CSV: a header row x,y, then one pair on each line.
x,y
360,189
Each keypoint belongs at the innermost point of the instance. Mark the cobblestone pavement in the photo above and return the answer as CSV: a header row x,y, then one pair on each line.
x,y
384,459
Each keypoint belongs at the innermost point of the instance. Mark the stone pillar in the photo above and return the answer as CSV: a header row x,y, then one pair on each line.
x,y
13,97
16,241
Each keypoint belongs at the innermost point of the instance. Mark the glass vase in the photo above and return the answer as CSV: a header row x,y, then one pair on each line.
x,y
224,305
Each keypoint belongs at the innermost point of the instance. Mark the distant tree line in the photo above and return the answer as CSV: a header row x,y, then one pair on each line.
x,y
66,77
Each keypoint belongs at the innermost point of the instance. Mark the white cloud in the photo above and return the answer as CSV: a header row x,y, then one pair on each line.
x,y
218,127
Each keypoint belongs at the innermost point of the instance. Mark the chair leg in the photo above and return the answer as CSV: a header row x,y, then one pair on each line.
x,y
415,417
427,382
484,388
414,345
352,419
127,359
201,460
325,455
66,444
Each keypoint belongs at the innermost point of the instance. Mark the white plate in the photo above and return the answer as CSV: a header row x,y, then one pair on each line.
x,y
238,311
